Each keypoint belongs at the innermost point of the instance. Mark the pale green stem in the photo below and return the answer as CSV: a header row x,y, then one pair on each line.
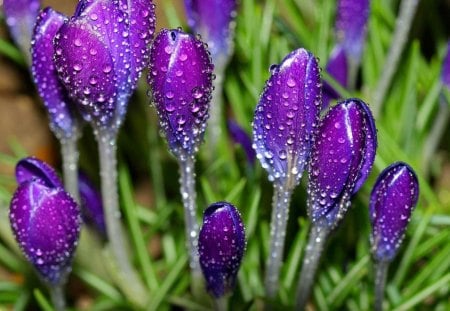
x,y
69,152
221,303
381,268
57,295
280,215
402,27
133,287
311,260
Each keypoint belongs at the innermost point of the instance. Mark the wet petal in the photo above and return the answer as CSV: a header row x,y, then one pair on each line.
x,y
31,168
392,201
180,77
239,136
91,203
63,119
214,21
221,247
46,224
339,154
286,117
337,67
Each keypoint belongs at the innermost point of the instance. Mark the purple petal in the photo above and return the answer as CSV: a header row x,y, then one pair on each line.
x,y
337,67
46,224
221,246
286,117
214,21
63,120
31,168
180,77
351,26
341,159
241,137
445,74
91,203
20,17
392,201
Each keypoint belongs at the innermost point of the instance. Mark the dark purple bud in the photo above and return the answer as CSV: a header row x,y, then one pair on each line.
x,y
241,137
337,67
46,224
91,203
63,120
180,78
392,201
20,18
341,160
351,26
214,21
33,169
445,73
221,246
286,117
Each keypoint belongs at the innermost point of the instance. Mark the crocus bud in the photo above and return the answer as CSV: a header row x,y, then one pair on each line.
x,y
91,203
221,245
241,137
180,77
100,53
20,18
46,224
351,26
393,198
445,73
214,21
341,159
337,67
33,169
286,117
63,119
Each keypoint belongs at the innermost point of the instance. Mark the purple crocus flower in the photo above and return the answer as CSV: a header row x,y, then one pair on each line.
x,y
33,169
91,203
393,198
241,137
100,54
286,117
337,67
180,77
341,159
20,17
46,223
214,21
445,73
221,246
63,118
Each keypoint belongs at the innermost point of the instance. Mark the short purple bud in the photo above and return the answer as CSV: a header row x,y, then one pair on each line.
x,y
286,117
341,160
337,67
46,224
20,17
445,73
91,204
33,169
180,78
214,21
63,119
240,136
221,246
393,198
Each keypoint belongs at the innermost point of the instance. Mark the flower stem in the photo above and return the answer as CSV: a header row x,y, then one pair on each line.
x,y
57,295
69,152
188,195
280,215
316,243
130,283
402,27
221,303
381,268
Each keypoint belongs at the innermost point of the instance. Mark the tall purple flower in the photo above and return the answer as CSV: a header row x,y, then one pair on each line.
x,y
341,160
20,17
393,198
221,247
180,77
240,136
337,67
445,73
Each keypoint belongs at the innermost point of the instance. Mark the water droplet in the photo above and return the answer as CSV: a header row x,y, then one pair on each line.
x,y
170,94
107,69
290,82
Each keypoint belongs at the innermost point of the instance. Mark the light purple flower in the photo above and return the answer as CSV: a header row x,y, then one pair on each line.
x,y
241,137
286,117
337,67
91,203
180,78
341,160
221,246
445,73
393,198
